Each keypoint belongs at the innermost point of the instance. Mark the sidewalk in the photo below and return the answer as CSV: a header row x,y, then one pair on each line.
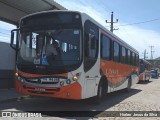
x,y
9,95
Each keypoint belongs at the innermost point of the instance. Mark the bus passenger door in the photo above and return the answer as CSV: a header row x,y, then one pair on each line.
x,y
91,61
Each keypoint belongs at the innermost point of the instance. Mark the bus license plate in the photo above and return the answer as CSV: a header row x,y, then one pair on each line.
x,y
40,89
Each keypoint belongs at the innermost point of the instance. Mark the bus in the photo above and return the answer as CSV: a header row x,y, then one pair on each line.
x,y
90,60
145,70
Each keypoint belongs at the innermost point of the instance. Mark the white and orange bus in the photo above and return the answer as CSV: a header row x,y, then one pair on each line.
x,y
88,60
145,70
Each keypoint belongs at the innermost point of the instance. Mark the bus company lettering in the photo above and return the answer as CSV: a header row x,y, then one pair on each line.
x,y
112,71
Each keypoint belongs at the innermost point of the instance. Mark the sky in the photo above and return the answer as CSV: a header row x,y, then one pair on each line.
x,y
5,30
138,25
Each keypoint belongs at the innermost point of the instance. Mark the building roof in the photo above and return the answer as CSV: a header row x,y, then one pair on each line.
x,y
12,10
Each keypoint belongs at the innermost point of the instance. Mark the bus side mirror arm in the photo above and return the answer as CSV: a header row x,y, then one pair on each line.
x,y
14,46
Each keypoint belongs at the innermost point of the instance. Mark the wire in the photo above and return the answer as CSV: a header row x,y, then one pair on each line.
x,y
140,22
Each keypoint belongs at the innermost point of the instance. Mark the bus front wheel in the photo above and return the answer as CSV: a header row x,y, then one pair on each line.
x,y
99,96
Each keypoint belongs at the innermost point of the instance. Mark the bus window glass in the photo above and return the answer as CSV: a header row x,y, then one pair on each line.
x,y
116,52
92,46
129,56
105,47
133,59
137,60
123,57
91,35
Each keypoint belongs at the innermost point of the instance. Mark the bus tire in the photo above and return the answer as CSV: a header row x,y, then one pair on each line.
x,y
129,85
102,90
99,96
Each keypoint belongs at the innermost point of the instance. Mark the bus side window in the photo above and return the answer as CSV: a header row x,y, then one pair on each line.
x,y
105,47
123,54
137,60
92,46
129,57
116,52
133,59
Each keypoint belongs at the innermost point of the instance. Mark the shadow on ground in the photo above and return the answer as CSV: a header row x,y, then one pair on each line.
x,y
144,82
67,108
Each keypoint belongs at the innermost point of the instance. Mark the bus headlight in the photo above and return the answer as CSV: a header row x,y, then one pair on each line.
x,y
75,77
16,74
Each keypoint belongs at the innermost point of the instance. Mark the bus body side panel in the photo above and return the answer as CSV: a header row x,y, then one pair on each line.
x,y
134,75
92,78
118,76
117,73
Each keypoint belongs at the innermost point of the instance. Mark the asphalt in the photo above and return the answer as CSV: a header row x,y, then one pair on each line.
x,y
10,95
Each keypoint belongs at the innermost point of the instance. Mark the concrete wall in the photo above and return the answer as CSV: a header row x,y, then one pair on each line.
x,y
7,65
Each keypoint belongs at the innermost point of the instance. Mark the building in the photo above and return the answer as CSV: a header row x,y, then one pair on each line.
x,y
7,65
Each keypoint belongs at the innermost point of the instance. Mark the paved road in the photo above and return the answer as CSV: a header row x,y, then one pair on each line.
x,y
142,97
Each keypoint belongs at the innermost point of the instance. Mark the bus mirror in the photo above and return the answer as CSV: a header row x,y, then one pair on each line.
x,y
14,39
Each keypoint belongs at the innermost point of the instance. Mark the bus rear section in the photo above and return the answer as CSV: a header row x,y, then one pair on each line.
x,y
145,70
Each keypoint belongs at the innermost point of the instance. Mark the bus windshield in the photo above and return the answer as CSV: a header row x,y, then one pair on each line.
x,y
56,47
